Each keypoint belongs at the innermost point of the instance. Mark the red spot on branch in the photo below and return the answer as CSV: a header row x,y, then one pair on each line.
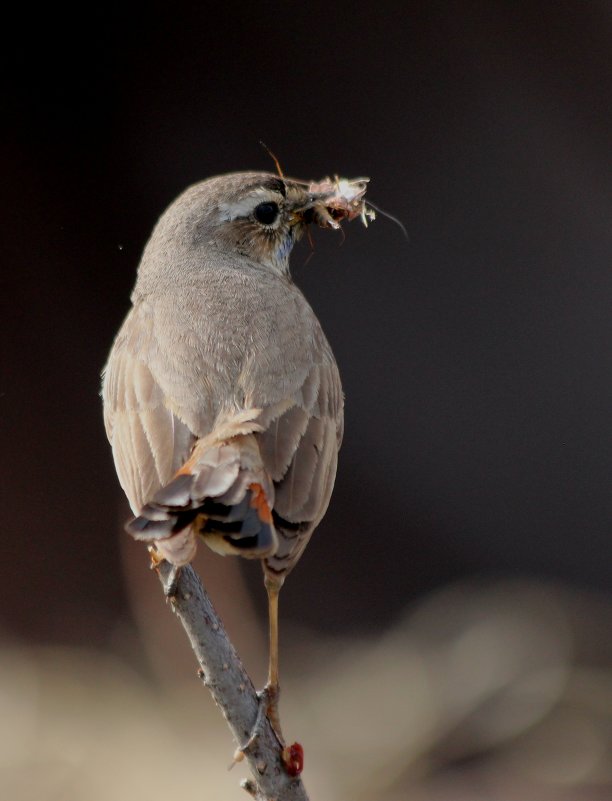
x,y
293,759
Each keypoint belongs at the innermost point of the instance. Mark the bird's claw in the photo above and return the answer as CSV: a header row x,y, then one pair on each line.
x,y
292,756
268,699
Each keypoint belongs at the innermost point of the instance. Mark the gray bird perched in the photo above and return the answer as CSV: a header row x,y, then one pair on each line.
x,y
222,399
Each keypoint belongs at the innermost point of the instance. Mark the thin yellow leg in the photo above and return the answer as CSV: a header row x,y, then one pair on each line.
x,y
272,687
273,621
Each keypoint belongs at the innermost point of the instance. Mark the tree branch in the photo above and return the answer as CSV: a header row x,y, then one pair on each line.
x,y
223,673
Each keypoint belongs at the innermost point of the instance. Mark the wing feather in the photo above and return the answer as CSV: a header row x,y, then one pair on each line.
x,y
295,489
282,439
149,442
300,448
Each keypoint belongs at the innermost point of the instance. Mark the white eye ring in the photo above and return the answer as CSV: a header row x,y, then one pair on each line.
x,y
244,208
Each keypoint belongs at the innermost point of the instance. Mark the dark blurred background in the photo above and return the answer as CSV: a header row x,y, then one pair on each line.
x,y
476,356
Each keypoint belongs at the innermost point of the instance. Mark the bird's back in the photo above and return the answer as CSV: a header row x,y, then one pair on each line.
x,y
220,341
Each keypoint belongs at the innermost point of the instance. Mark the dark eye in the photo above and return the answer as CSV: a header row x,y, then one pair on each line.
x,y
266,213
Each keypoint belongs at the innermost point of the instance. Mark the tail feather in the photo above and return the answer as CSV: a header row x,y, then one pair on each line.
x,y
223,495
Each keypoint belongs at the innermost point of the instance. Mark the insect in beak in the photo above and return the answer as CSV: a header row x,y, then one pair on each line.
x,y
332,201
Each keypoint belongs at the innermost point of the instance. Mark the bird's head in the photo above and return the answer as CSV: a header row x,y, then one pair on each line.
x,y
257,216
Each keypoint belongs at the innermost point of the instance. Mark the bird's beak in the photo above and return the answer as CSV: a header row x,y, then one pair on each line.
x,y
296,217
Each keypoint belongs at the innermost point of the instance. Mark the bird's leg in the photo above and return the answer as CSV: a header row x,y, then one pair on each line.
x,y
292,756
272,688
268,697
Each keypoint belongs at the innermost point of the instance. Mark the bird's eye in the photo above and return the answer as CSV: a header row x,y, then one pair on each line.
x,y
266,213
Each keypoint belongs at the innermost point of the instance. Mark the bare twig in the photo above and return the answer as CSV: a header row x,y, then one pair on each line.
x,y
222,672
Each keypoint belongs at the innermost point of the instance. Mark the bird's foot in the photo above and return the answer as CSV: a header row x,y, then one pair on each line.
x,y
268,698
156,557
292,756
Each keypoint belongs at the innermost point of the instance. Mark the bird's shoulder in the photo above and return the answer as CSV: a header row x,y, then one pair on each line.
x,y
242,341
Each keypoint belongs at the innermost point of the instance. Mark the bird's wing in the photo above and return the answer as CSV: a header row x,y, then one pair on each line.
x,y
148,440
299,448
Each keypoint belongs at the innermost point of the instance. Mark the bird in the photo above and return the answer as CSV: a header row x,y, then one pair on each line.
x,y
222,399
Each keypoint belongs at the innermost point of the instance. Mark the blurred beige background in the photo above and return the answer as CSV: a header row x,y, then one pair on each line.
x,y
480,691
